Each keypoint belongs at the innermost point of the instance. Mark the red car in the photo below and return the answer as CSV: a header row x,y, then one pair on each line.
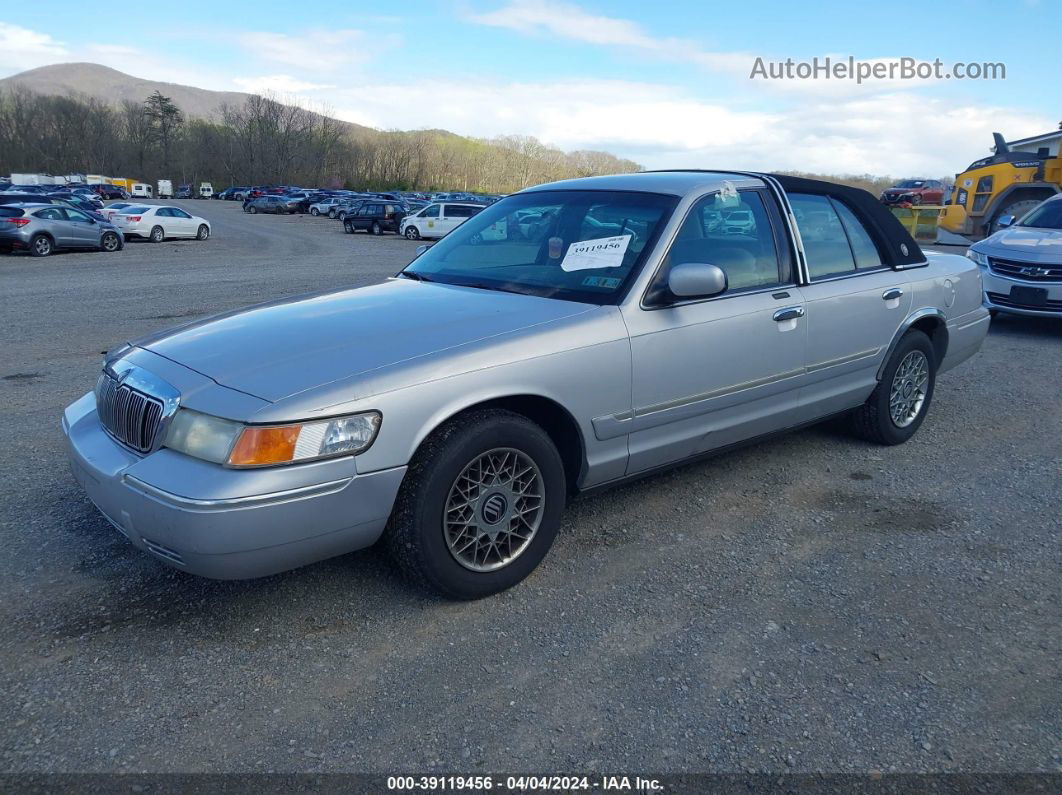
x,y
915,191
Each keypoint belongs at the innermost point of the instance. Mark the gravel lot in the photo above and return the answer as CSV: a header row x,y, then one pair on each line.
x,y
811,603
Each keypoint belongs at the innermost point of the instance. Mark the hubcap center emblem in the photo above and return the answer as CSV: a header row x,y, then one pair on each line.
x,y
494,508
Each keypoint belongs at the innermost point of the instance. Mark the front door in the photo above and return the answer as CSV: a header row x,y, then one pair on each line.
x,y
711,372
855,303
82,230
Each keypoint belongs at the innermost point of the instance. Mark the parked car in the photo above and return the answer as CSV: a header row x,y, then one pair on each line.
x,y
157,222
113,209
915,191
42,229
206,190
1021,264
300,200
329,206
454,409
141,190
375,218
269,204
108,191
184,192
437,219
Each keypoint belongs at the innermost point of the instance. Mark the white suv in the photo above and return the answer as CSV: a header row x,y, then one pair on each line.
x,y
437,219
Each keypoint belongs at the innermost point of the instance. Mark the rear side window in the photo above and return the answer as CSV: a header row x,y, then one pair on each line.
x,y
11,212
823,235
50,214
863,248
457,211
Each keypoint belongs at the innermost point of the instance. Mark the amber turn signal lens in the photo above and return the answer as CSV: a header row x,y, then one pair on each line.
x,y
263,446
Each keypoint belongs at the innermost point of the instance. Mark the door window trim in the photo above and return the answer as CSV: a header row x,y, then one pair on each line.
x,y
782,248
857,271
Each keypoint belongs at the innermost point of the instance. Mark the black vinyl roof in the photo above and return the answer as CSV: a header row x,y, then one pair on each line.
x,y
890,235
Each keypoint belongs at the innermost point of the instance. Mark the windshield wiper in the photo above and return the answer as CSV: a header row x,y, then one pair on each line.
x,y
417,277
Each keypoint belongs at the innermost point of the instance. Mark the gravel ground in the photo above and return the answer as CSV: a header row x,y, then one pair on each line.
x,y
811,603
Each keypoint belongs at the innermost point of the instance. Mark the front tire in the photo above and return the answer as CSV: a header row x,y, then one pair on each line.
x,y
110,242
897,407
480,505
252,210
203,233
332,214
314,211
156,235
412,233
348,227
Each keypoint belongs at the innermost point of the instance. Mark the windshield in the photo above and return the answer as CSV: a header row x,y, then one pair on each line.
x,y
911,183
1047,216
573,245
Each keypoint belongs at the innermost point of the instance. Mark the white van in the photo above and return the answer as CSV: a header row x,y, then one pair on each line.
x,y
206,190
437,219
141,190
165,189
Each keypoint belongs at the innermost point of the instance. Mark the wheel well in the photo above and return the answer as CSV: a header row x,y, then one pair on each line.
x,y
555,420
937,331
1021,195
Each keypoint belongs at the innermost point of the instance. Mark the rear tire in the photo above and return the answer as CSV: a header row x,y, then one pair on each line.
x,y
898,405
376,228
342,215
156,235
470,559
41,246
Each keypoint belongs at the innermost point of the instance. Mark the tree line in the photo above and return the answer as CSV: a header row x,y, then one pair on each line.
x,y
265,141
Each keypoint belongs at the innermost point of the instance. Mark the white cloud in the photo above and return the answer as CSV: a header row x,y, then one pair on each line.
x,y
569,21
317,50
661,127
22,48
277,84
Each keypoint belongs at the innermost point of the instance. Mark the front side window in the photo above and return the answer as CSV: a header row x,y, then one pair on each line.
x,y
578,245
75,215
432,211
177,213
733,233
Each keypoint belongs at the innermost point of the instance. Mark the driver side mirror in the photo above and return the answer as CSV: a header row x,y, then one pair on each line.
x,y
1005,221
696,280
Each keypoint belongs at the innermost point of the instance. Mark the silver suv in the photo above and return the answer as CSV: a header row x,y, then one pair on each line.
x,y
44,228
571,336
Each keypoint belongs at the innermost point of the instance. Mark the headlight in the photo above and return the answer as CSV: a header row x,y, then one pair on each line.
x,y
977,257
237,445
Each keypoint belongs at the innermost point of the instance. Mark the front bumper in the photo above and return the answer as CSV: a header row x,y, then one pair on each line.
x,y
227,523
997,295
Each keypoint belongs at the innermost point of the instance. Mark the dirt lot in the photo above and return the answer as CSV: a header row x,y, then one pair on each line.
x,y
811,603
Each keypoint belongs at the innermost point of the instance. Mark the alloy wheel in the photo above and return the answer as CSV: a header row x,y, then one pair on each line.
x,y
494,509
908,392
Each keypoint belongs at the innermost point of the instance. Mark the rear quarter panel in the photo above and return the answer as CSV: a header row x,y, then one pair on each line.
x,y
951,286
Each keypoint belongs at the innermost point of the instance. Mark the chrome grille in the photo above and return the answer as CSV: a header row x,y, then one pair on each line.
x,y
1026,271
128,415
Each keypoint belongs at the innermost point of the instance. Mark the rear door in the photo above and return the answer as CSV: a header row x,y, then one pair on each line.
x,y
54,221
855,303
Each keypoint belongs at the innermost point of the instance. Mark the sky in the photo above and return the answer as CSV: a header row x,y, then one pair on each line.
x,y
667,84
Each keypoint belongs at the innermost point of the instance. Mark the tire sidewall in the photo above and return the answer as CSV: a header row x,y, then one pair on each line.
x,y
911,341
203,232
33,246
110,236
412,233
157,238
443,571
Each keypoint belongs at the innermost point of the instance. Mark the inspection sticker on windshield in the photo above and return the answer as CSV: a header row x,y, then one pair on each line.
x,y
605,252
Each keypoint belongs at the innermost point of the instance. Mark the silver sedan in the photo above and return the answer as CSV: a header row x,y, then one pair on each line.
x,y
570,337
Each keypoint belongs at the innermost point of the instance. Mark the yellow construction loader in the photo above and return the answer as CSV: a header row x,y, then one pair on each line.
x,y
1007,183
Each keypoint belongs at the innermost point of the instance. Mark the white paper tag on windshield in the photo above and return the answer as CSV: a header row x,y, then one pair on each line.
x,y
605,252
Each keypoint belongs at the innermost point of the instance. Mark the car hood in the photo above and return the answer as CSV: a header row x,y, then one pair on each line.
x,y
282,348
1024,243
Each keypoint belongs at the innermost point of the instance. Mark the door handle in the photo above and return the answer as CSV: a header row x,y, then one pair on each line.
x,y
789,313
891,295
